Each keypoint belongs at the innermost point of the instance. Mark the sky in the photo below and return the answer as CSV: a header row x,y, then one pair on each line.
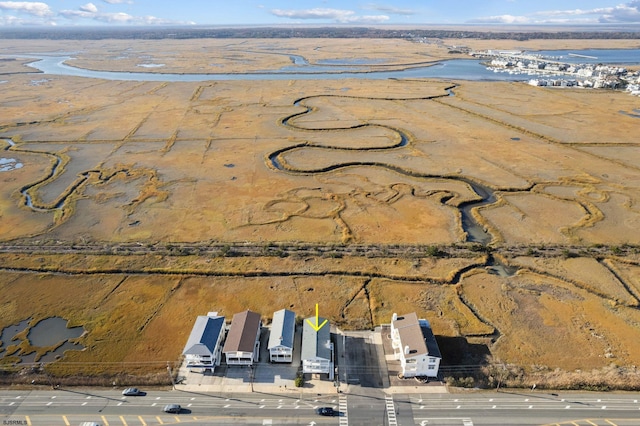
x,y
317,12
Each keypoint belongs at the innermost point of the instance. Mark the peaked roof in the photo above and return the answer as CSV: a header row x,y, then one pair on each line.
x,y
410,335
204,335
282,329
316,344
245,326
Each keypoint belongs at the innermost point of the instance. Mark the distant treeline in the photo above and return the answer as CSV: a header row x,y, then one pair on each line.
x,y
158,33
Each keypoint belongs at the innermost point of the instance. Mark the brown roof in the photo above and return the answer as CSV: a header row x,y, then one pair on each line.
x,y
411,334
245,326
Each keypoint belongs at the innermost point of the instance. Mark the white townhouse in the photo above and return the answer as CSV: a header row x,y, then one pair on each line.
x,y
317,349
415,346
282,334
204,346
243,340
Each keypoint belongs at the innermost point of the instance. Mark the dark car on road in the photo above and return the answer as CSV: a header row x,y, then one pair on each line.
x,y
326,411
172,408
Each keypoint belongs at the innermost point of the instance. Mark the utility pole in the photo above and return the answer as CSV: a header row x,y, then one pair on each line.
x,y
173,383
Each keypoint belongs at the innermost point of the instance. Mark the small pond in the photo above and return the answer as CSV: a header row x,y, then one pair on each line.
x,y
9,164
52,330
49,333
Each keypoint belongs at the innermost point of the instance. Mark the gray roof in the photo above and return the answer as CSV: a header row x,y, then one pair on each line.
x,y
410,334
282,329
245,327
430,339
315,344
204,335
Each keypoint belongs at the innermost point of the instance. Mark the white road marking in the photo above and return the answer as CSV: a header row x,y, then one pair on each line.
x,y
84,403
344,410
391,411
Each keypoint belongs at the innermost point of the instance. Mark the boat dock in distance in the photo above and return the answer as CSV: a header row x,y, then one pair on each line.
x,y
575,55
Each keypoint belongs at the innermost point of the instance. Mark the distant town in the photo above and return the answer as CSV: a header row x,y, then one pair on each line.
x,y
554,72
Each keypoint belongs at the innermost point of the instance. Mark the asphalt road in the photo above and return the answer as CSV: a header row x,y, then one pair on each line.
x,y
73,406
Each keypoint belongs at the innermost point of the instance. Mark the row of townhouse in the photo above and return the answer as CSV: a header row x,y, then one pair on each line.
x,y
209,342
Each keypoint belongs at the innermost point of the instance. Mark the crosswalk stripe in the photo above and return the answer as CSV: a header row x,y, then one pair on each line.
x,y
391,411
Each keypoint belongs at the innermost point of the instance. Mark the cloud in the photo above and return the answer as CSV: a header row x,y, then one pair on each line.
x,y
32,8
317,13
89,7
390,9
337,15
118,1
501,19
623,13
91,12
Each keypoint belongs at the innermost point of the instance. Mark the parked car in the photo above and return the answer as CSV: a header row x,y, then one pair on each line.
x,y
172,408
326,411
131,392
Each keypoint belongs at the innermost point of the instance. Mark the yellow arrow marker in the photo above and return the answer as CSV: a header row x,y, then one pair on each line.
x,y
317,326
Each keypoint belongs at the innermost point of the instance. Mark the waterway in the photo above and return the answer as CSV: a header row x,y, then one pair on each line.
x,y
301,69
463,69
595,56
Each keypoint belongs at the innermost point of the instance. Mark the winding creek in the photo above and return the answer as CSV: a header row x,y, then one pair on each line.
x,y
475,231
